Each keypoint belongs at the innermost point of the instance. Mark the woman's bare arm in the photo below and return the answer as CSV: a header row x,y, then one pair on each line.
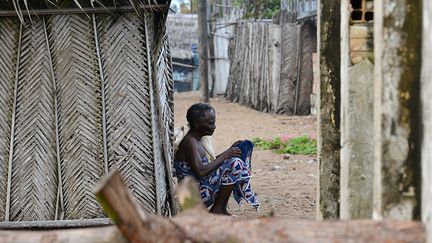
x,y
189,147
234,144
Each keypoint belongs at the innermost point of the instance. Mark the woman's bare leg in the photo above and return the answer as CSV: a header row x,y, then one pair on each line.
x,y
226,208
221,201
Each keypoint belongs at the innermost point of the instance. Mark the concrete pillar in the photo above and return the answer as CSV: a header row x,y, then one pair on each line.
x,y
397,108
329,111
356,195
426,94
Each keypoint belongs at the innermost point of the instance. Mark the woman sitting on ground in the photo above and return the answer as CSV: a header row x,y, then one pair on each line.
x,y
229,173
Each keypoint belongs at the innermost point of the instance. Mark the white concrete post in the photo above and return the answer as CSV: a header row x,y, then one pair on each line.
x,y
397,108
426,95
356,196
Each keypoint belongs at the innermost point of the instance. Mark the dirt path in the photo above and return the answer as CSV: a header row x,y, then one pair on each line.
x,y
285,187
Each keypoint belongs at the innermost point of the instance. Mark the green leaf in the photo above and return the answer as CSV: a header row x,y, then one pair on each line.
x,y
298,145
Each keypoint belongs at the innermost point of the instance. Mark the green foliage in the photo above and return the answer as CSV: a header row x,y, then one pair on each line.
x,y
259,9
298,145
267,144
238,3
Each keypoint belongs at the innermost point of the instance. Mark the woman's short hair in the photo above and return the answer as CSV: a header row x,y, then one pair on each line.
x,y
196,111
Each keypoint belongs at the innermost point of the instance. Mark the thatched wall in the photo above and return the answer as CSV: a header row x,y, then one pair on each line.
x,y
80,95
271,67
182,32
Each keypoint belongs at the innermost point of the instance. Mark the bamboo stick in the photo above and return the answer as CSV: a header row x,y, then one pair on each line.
x,y
12,137
299,64
103,99
57,136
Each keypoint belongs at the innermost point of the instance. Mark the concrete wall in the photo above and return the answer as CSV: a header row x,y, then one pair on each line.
x,y
402,113
397,112
426,88
396,118
329,112
356,196
357,142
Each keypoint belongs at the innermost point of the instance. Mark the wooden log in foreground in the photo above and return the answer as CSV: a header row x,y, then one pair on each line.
x,y
106,234
135,224
210,228
196,225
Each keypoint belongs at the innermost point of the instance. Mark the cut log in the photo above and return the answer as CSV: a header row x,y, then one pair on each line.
x,y
197,225
95,234
212,228
202,227
135,225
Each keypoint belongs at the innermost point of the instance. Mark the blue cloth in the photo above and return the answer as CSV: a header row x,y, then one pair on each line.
x,y
246,147
234,170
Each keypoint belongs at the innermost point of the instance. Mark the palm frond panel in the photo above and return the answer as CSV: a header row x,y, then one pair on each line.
x,y
80,95
9,37
79,85
34,167
130,147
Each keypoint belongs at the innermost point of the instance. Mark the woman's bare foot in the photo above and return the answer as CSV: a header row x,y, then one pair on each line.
x,y
225,212
216,211
221,211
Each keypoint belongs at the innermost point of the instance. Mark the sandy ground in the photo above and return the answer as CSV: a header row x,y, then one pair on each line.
x,y
285,187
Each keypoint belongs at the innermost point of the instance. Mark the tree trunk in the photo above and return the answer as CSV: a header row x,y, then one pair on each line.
x,y
203,48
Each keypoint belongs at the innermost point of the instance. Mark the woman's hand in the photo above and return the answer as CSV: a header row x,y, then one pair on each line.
x,y
236,143
231,152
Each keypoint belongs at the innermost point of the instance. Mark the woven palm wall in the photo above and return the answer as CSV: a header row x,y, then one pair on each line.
x,y
80,95
271,66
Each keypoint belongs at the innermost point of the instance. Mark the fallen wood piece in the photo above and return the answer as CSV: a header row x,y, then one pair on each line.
x,y
135,225
213,228
188,195
197,225
53,224
201,227
106,234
